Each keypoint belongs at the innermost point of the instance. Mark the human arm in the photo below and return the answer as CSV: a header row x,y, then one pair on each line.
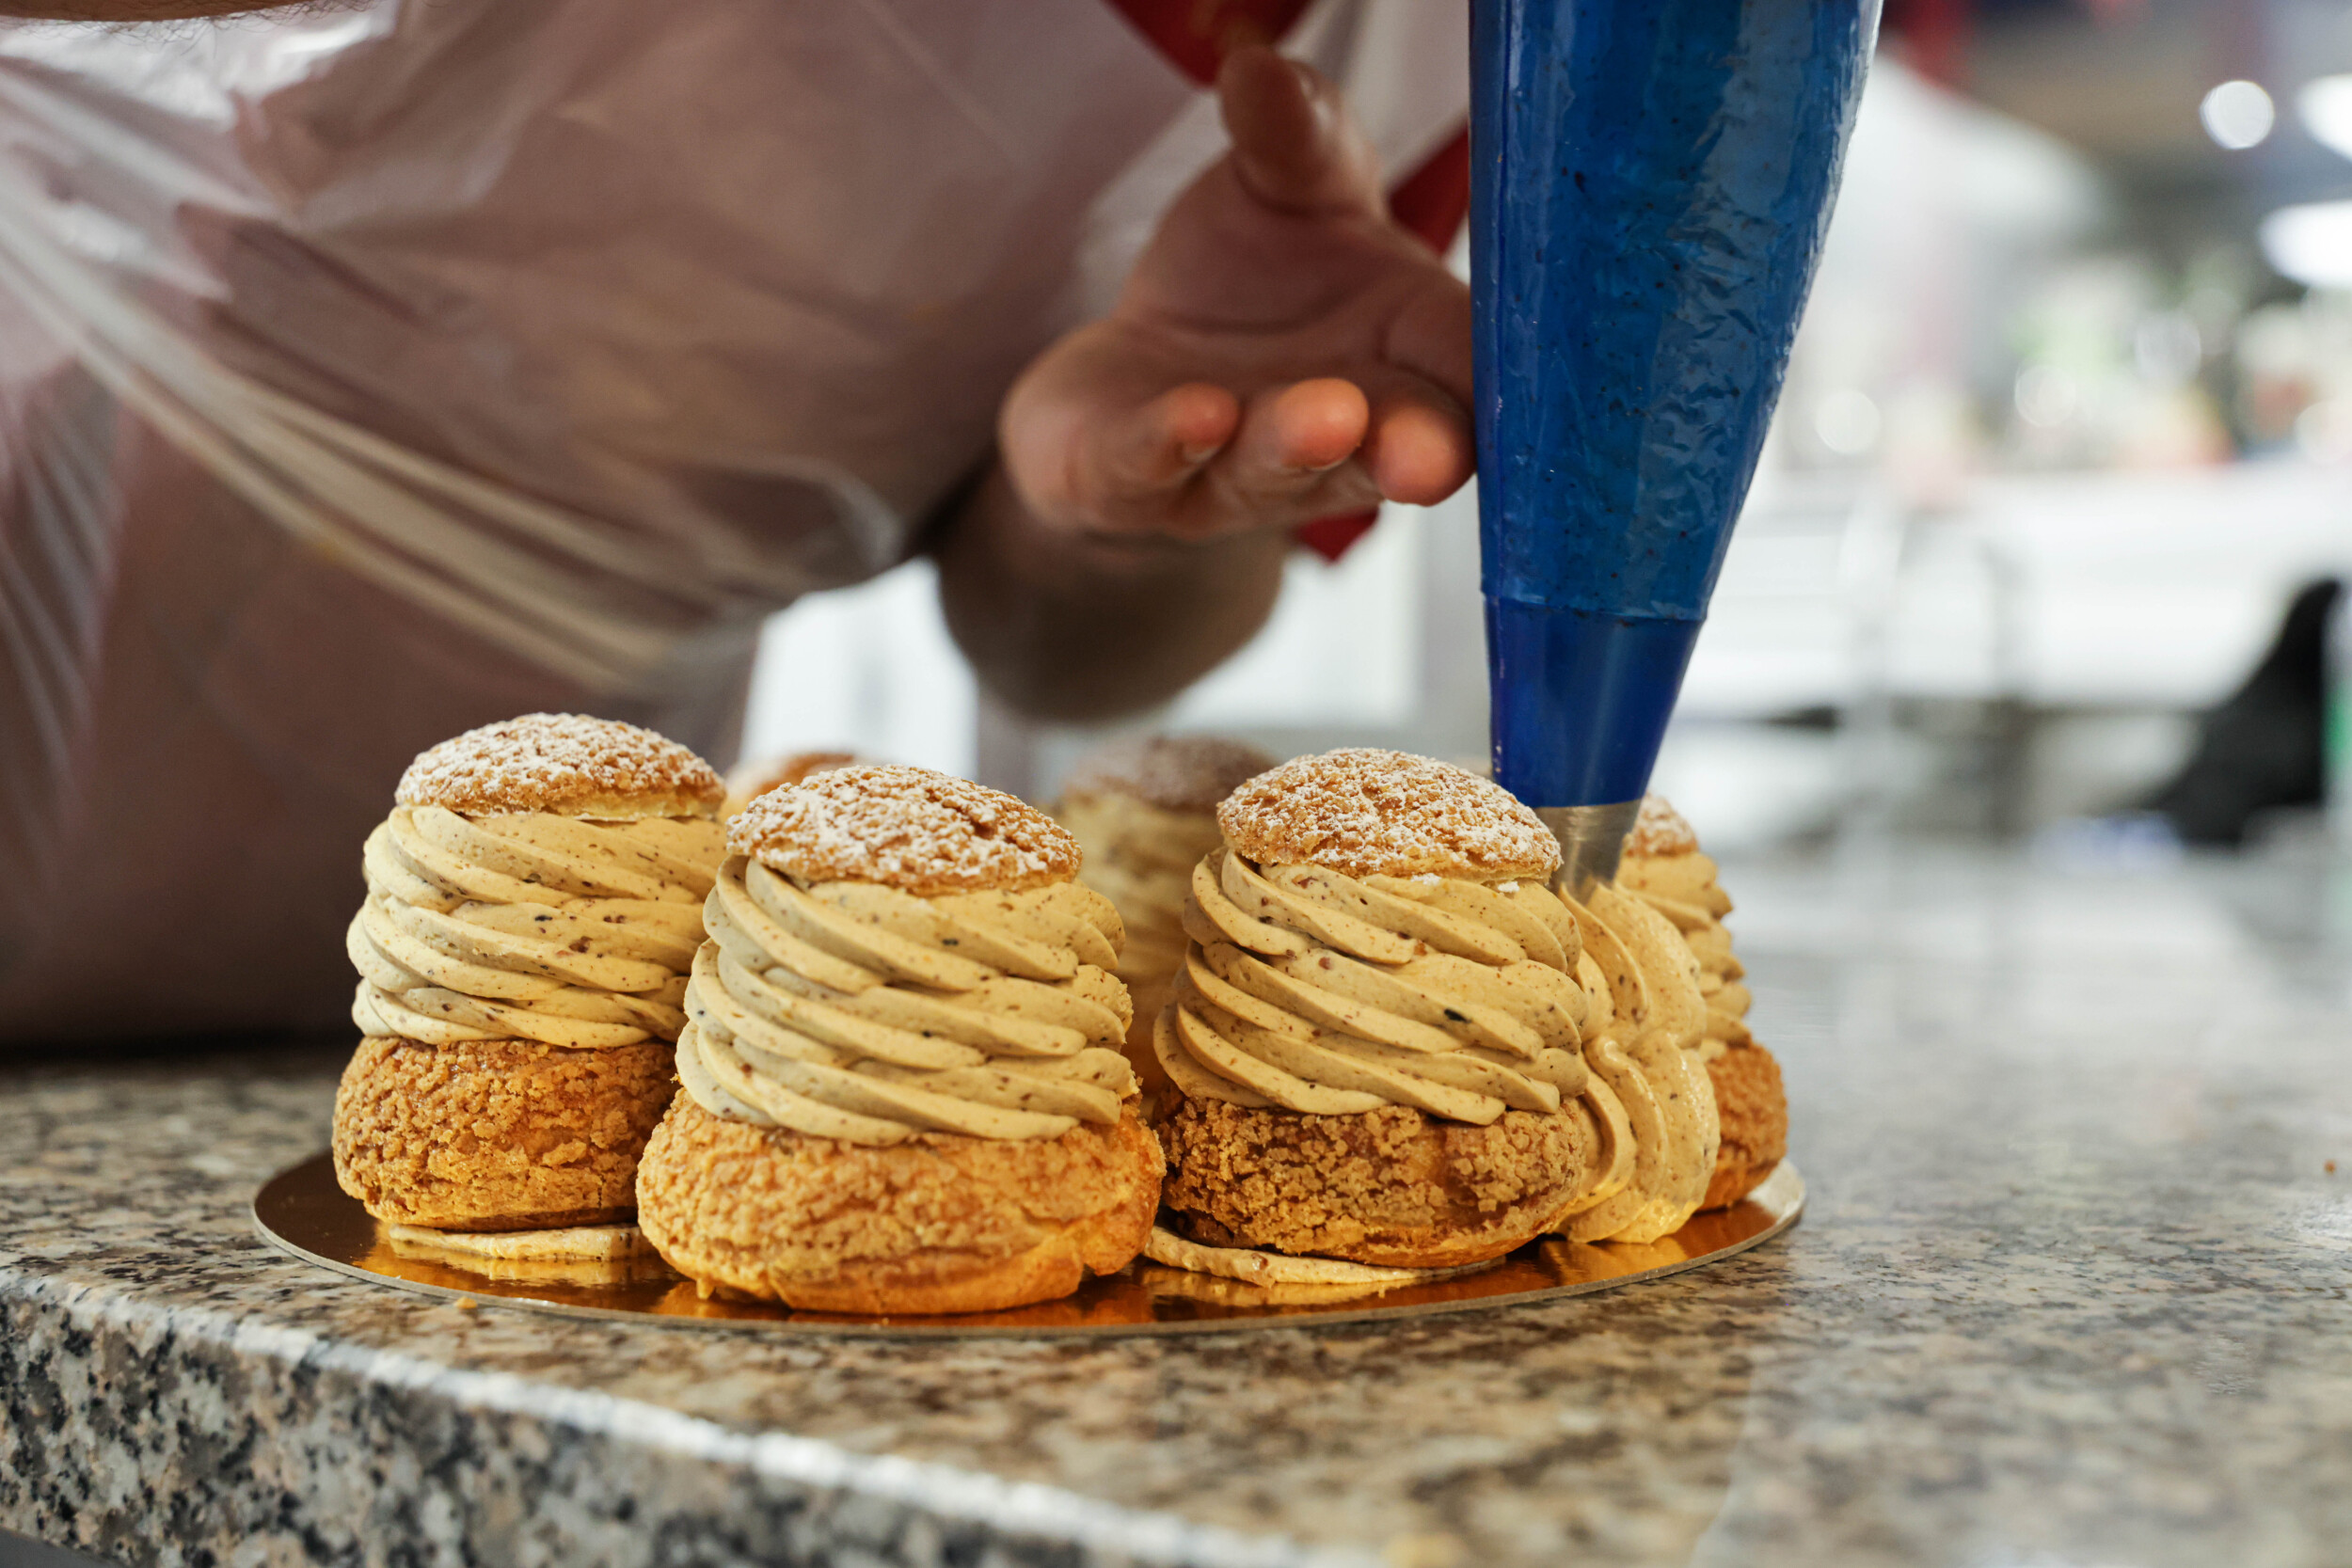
x,y
1282,352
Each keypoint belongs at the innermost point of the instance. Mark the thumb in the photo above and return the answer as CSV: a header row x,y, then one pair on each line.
x,y
1295,146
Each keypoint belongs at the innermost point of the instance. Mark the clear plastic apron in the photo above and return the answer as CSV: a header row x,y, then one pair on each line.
x,y
368,375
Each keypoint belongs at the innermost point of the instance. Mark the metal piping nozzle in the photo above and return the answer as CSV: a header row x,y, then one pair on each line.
x,y
1591,840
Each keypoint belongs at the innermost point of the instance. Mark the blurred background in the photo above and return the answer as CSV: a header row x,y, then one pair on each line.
x,y
2040,545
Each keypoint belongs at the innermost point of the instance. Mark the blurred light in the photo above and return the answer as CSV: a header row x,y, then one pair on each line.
x,y
1848,423
2046,396
2323,432
2214,310
2128,841
2166,347
2237,115
2311,243
2325,107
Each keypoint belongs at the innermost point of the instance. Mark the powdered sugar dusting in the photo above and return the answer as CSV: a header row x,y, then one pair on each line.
x,y
562,762
749,780
1185,772
1660,830
905,827
1366,812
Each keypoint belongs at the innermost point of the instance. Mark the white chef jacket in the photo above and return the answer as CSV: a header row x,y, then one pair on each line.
x,y
368,375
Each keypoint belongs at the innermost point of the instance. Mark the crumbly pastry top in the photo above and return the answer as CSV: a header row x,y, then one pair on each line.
x,y
1174,772
907,828
1367,812
748,780
1660,830
563,763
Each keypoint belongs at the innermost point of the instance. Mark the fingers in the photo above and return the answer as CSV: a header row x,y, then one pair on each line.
x,y
1323,446
1090,445
1421,446
1198,464
1158,446
1295,146
1292,459
1308,427
1431,336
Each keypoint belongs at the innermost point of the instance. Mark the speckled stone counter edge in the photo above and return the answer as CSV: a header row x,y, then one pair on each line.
x,y
148,1435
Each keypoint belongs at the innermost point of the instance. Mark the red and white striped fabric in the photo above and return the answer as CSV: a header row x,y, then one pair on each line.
x,y
366,375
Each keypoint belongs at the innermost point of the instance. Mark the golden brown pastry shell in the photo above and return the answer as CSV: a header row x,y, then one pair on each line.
x,y
1394,1185
567,764
939,1224
497,1135
913,829
1754,1109
1363,810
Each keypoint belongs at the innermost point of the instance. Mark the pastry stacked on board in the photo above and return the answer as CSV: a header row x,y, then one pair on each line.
x,y
1144,812
1387,1046
1664,868
533,903
1390,1047
904,1091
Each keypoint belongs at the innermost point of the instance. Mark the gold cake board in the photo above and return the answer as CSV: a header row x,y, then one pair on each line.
x,y
303,1212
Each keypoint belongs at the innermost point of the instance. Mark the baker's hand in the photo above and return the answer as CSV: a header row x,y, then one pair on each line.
x,y
1282,351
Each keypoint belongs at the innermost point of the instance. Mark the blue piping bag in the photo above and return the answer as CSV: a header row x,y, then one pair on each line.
x,y
1650,183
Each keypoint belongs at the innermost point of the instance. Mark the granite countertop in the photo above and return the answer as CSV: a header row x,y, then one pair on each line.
x,y
2072,1289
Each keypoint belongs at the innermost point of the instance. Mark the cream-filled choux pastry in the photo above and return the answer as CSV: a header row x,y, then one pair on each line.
x,y
1376,1040
902,1087
1144,811
533,903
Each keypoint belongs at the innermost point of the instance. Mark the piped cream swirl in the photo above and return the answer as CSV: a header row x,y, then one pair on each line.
x,y
1644,1023
529,925
1686,889
1313,992
852,1010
